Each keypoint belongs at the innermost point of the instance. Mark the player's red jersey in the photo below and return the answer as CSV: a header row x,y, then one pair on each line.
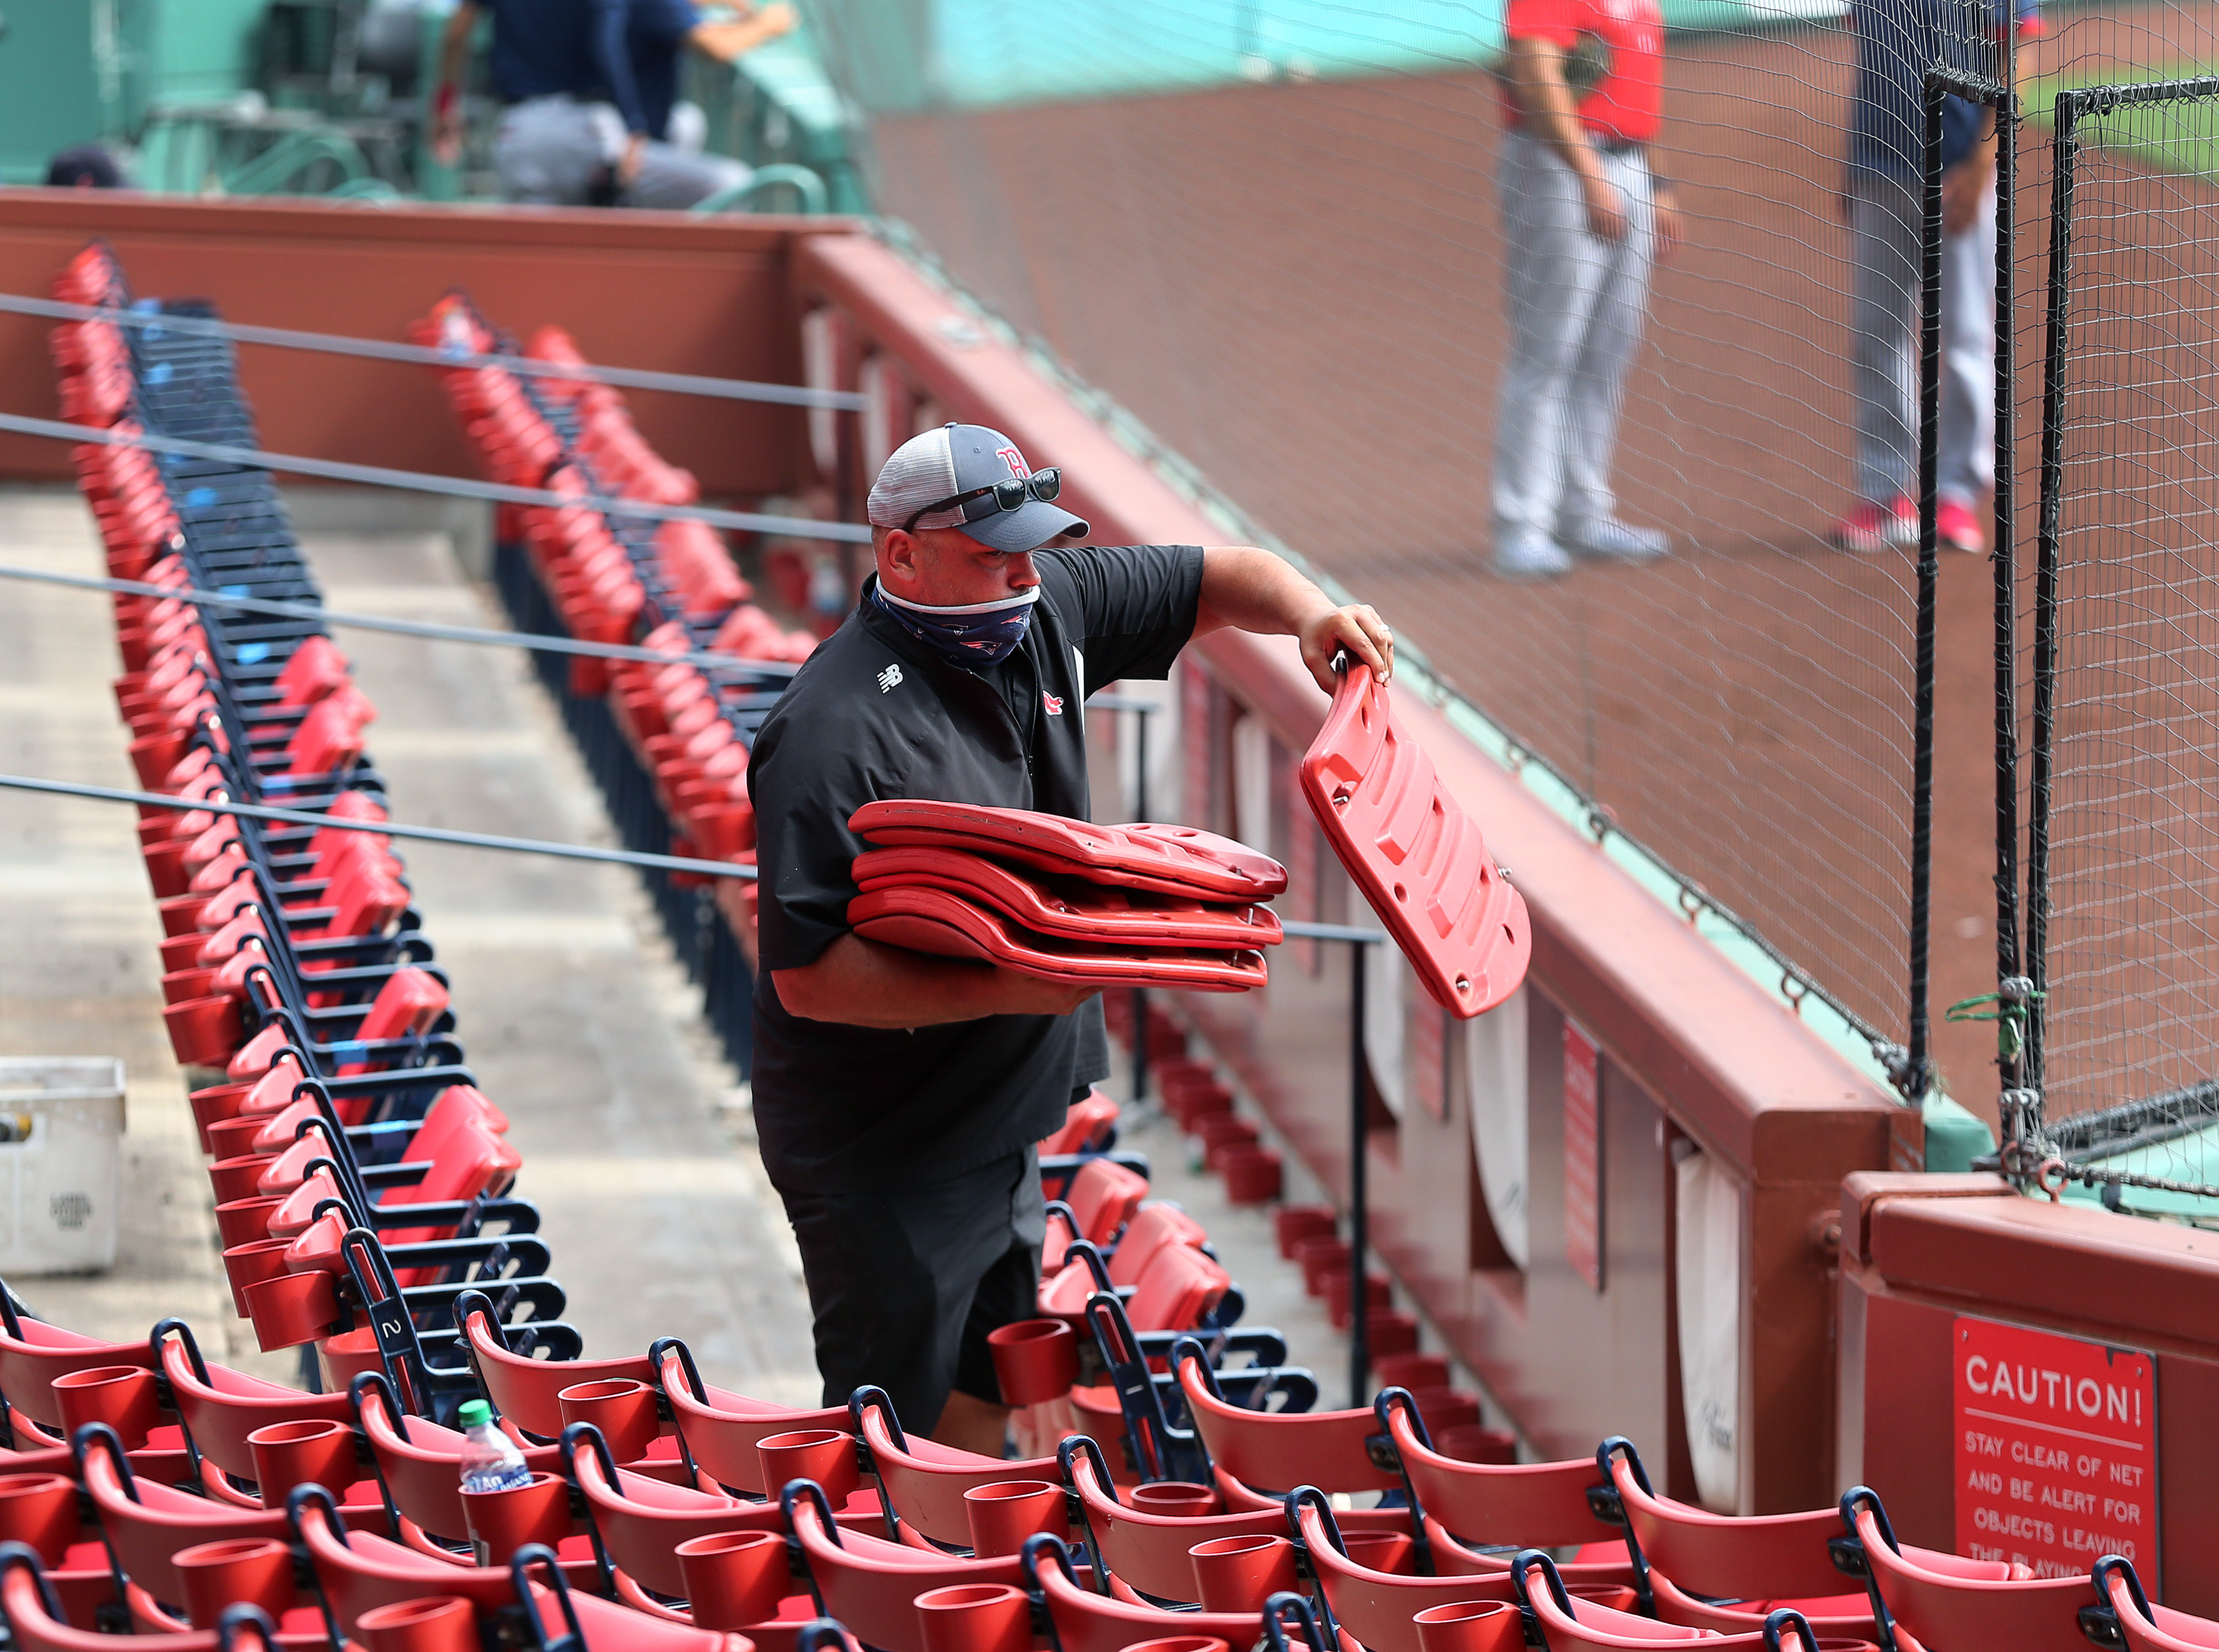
x,y
1627,105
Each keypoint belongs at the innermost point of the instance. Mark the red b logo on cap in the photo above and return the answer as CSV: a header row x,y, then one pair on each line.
x,y
1014,460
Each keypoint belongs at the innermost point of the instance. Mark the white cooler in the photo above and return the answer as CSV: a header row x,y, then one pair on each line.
x,y
61,1128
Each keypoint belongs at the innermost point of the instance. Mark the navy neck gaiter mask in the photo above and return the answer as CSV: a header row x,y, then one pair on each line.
x,y
976,634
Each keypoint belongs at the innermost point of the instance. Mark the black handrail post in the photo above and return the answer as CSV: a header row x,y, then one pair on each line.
x,y
1359,1215
1140,709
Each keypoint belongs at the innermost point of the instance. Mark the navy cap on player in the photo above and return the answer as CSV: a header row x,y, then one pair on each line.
x,y
928,471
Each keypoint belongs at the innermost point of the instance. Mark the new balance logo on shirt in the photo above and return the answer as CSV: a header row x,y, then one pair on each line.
x,y
890,680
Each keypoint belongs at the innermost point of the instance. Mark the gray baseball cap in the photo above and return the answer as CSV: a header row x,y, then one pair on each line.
x,y
954,459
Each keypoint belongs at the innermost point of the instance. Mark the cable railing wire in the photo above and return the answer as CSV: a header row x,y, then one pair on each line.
x,y
379,476
334,344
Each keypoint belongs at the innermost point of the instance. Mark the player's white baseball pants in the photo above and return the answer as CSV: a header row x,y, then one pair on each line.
x,y
1577,306
549,151
1884,222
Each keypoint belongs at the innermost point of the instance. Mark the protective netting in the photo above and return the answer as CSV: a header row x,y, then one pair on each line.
x,y
2127,1049
1275,231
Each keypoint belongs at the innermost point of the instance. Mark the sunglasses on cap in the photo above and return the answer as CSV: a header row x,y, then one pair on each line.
x,y
1042,485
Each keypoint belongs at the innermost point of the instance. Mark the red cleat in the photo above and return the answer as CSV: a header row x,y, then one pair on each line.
x,y
1874,527
1958,527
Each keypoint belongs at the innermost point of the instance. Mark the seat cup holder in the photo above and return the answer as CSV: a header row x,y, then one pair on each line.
x,y
215,1575
241,1221
823,1455
40,1509
1004,1513
734,1579
251,1264
216,1103
1034,1360
1470,1626
975,1617
291,1309
501,1523
239,1177
440,1623
623,1410
1239,1573
308,1452
122,1396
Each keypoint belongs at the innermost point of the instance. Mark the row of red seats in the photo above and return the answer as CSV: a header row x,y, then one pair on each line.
x,y
563,434
696,1507
293,959
513,422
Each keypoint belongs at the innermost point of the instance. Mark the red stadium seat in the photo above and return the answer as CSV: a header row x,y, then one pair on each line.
x,y
1696,1559
638,1523
1149,1550
1413,852
721,1429
923,1482
948,925
1152,1228
1086,1621
1102,1198
420,1463
1086,1128
2144,1627
1176,860
219,1407
33,1353
146,1523
871,1584
1567,1624
1467,1505
1259,1456
36,1621
524,1389
1374,1605
1073,911
1953,1605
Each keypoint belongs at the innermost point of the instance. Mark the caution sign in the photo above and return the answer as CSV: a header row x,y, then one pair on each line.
x,y
2056,1449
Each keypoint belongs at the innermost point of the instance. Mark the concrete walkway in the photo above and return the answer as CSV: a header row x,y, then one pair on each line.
x,y
576,1020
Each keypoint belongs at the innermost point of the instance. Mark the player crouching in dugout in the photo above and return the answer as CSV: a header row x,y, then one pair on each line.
x,y
898,1096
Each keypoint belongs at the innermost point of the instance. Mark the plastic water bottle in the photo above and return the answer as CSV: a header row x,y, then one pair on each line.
x,y
491,1462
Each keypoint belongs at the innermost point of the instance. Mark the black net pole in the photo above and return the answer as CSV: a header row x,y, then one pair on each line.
x,y
1918,1062
1996,96
2065,149
2010,987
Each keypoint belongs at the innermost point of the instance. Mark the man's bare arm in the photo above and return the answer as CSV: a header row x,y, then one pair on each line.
x,y
727,42
859,982
1253,590
447,95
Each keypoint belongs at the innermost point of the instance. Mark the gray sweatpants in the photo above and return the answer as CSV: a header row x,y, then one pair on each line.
x,y
1884,226
1577,306
550,151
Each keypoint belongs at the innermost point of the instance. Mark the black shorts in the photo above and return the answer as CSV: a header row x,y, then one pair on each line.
x,y
905,1283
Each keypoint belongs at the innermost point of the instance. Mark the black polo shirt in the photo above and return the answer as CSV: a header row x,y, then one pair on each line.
x,y
874,714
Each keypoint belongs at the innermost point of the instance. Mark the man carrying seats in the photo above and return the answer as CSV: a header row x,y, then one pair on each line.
x,y
899,1095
